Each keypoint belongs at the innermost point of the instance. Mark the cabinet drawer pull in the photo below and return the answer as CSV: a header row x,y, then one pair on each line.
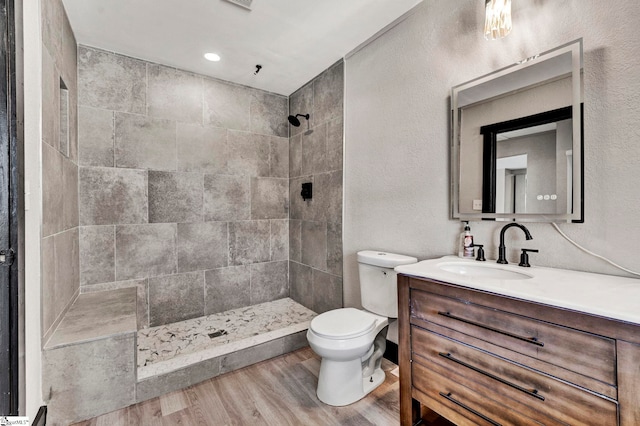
x,y
533,340
471,410
534,393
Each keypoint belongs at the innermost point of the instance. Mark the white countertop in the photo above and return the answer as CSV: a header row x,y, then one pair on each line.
x,y
604,295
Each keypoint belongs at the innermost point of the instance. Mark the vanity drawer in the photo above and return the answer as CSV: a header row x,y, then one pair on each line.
x,y
584,353
440,390
502,378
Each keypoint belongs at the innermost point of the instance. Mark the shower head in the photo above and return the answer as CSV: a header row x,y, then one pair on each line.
x,y
294,119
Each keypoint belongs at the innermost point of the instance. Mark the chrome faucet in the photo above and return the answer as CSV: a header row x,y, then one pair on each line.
x,y
502,257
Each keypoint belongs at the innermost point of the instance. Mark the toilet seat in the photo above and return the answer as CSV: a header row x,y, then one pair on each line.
x,y
344,323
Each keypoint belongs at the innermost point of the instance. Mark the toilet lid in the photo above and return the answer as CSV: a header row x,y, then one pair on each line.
x,y
343,323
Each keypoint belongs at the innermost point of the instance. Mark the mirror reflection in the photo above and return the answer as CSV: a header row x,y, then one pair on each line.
x,y
517,141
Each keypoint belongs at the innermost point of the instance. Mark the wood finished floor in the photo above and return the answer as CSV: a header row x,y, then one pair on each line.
x,y
280,391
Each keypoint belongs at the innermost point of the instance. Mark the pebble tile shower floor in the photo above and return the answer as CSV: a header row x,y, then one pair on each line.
x,y
169,347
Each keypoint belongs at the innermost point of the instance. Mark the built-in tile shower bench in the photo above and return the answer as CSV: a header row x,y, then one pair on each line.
x,y
98,361
89,361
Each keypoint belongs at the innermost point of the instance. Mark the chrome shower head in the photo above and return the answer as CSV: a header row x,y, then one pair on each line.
x,y
294,119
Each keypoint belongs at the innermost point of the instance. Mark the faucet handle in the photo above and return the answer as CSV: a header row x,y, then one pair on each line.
x,y
524,257
480,256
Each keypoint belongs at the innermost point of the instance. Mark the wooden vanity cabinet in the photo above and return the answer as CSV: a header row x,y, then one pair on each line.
x,y
478,358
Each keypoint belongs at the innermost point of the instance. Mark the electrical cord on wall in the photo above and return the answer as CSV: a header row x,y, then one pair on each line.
x,y
592,253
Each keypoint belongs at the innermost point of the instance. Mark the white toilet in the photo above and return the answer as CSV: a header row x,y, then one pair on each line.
x,y
351,341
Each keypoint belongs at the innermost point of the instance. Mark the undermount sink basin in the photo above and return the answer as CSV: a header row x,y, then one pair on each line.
x,y
483,270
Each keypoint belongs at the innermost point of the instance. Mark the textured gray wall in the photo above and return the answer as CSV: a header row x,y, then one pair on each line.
x,y
397,131
316,224
60,273
183,188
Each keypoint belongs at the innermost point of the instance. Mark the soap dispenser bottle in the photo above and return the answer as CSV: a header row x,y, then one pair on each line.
x,y
465,247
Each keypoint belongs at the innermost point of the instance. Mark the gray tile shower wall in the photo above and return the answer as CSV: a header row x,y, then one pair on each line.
x,y
315,225
60,236
183,187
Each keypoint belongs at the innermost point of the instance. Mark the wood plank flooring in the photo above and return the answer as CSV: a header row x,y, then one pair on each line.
x,y
280,391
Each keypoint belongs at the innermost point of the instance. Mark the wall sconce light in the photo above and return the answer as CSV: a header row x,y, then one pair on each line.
x,y
497,21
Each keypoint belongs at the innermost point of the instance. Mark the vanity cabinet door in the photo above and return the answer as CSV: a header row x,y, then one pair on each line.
x,y
509,382
584,353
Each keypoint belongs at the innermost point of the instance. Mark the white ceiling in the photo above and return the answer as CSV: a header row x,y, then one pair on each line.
x,y
293,40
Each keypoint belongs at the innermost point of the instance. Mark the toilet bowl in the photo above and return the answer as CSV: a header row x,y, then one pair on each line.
x,y
352,341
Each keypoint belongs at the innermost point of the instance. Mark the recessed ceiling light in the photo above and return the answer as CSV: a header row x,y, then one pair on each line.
x,y
214,57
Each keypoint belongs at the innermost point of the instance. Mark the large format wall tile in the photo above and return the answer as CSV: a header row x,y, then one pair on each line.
x,y
110,81
314,151
67,267
173,94
300,284
335,140
269,281
49,310
202,246
327,291
248,154
295,341
145,143
52,193
328,93
70,216
169,159
334,248
267,113
315,226
175,197
112,196
329,189
201,149
69,65
314,244
227,105
252,355
227,197
227,288
269,198
300,209
295,240
50,100
249,241
301,102
96,137
73,126
176,298
85,380
279,157
295,156
177,380
60,247
145,251
280,239
53,16
97,254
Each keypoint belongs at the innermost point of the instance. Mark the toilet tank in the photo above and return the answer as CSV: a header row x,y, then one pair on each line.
x,y
378,281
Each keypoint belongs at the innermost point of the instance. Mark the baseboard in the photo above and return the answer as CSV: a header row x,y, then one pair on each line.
x,y
391,353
